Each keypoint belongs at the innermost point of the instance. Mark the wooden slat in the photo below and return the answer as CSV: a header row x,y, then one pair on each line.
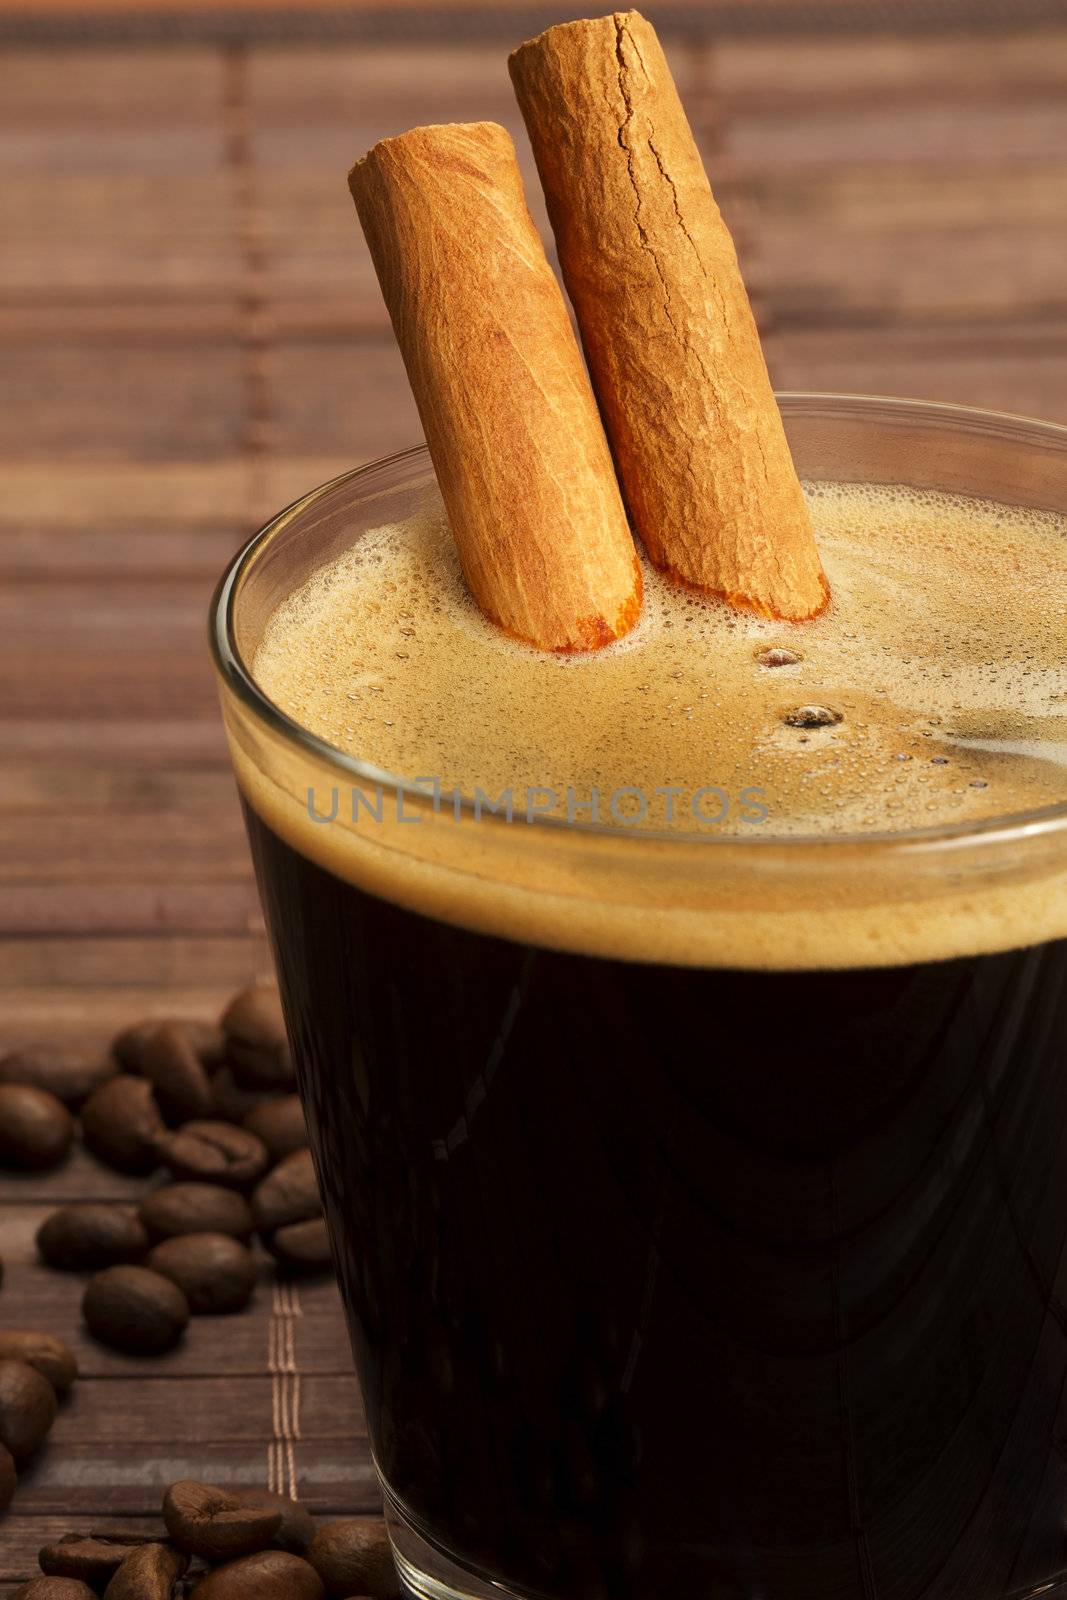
x,y
25,1535
193,742
44,786
60,8
142,90
924,275
134,231
96,1015
994,136
331,394
184,1411
1020,371
850,202
184,845
89,612
118,551
81,1175
898,70
61,495
100,316
86,1480
73,495
310,88
75,962
133,403
140,908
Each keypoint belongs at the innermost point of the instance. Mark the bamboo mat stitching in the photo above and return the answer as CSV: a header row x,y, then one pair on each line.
x,y
253,309
719,18
283,1365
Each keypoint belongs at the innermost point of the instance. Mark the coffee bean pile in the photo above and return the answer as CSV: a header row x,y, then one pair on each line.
x,y
36,1371
212,1108
222,1544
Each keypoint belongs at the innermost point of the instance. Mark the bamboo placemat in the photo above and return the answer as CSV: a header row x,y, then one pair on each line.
x,y
191,335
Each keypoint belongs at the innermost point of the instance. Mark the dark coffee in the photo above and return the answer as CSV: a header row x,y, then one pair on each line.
x,y
680,1281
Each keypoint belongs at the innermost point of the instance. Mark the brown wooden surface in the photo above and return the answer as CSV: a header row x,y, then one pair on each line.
x,y
191,334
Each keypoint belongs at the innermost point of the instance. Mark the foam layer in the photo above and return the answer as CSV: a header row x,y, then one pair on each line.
x,y
932,692
943,655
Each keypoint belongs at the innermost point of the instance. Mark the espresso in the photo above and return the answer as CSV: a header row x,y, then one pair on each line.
x,y
940,667
665,1280
701,1222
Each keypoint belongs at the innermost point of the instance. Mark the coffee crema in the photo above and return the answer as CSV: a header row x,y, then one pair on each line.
x,y
931,694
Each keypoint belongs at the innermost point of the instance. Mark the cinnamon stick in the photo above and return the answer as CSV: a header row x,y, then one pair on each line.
x,y
509,416
668,331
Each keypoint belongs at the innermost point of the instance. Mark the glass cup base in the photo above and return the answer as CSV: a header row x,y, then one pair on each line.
x,y
426,1574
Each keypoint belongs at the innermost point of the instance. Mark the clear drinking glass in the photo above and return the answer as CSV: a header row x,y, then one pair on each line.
x,y
716,1275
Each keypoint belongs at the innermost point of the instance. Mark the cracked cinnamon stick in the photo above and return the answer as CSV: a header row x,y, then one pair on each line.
x,y
668,331
509,416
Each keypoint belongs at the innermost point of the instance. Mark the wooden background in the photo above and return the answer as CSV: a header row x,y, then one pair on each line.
x,y
190,335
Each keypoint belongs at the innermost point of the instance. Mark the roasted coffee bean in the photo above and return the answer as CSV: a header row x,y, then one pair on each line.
x,y
354,1557
54,1589
68,1073
254,1017
83,1238
120,1123
134,1309
215,1152
215,1273
195,1208
210,1522
8,1477
256,1043
280,1124
209,1042
167,1057
127,1047
232,1101
260,1069
92,1557
296,1529
148,1573
302,1246
27,1408
270,1575
206,1038
36,1129
288,1194
52,1358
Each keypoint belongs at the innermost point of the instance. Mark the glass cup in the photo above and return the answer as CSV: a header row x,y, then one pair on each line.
x,y
737,1273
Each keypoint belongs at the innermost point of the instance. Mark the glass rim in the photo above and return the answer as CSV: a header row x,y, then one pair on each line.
x,y
237,677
